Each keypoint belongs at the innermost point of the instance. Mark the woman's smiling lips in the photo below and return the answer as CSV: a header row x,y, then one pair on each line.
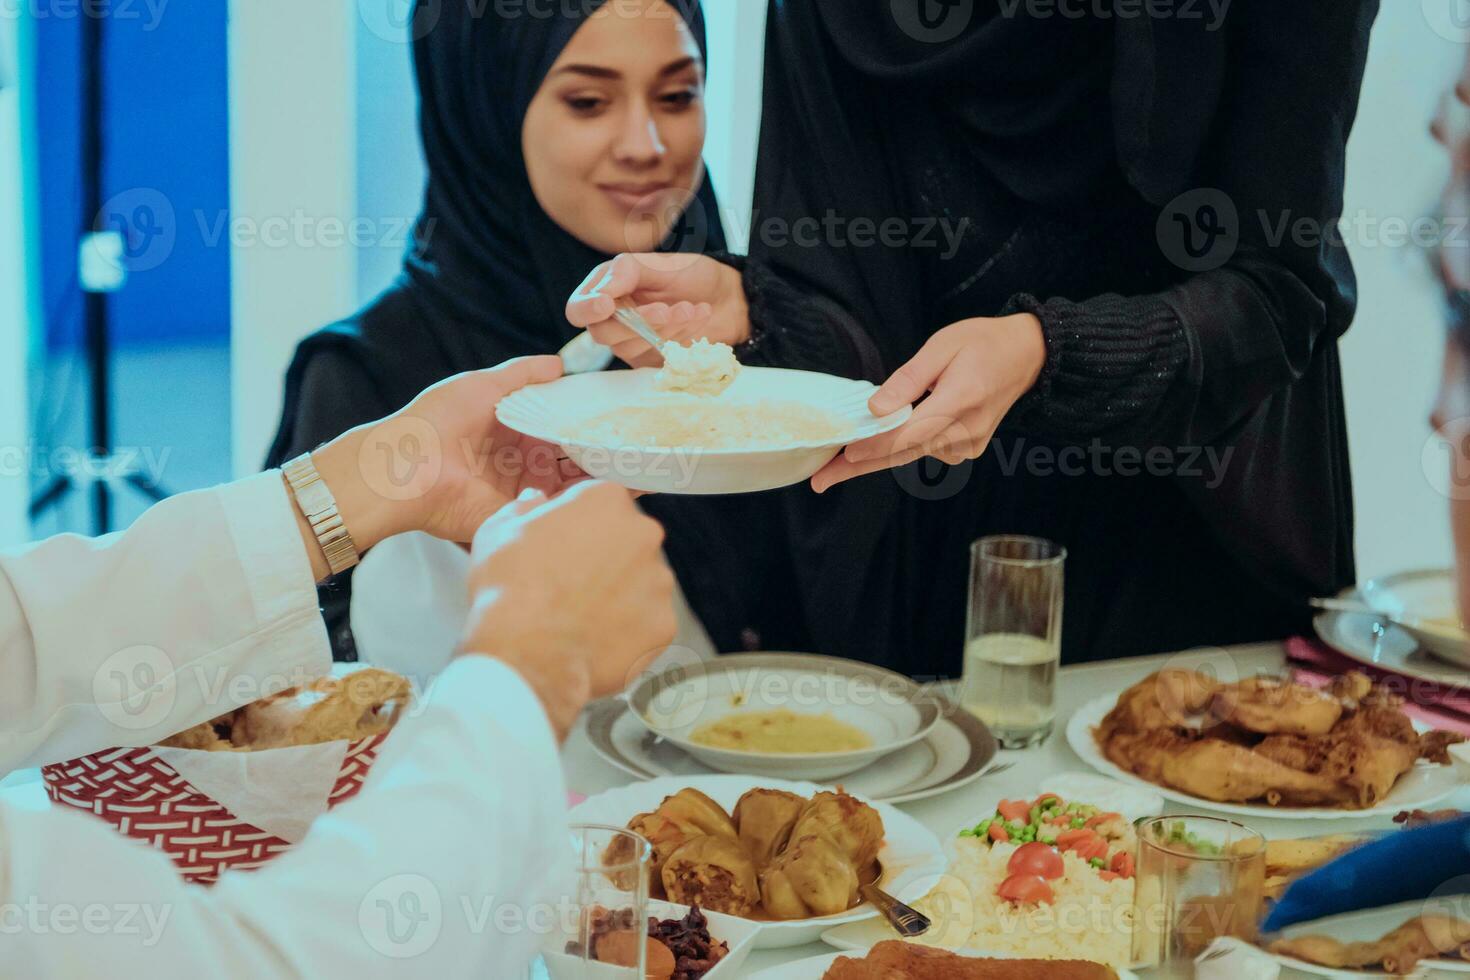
x,y
631,196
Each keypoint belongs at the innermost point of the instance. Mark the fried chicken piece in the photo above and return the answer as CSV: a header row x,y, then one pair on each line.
x,y
1350,687
1226,773
713,872
1268,707
1434,746
853,826
812,877
764,818
1145,753
1169,699
896,960
1398,952
1367,751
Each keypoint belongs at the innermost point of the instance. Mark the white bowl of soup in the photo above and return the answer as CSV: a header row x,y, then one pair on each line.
x,y
770,428
783,715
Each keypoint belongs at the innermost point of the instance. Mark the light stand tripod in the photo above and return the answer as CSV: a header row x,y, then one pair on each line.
x,y
101,472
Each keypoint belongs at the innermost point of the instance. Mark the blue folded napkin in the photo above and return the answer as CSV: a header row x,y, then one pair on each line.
x,y
1405,866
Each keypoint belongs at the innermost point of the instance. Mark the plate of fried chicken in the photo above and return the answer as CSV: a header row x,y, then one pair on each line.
x,y
1266,747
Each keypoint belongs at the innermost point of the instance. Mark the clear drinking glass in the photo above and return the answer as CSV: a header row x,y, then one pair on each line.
x,y
1197,879
612,899
1013,640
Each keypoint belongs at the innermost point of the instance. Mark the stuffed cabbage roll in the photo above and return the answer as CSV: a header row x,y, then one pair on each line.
x,y
713,872
764,818
812,877
854,827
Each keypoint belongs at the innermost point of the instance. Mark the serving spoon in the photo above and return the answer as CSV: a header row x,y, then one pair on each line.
x,y
627,314
908,921
583,355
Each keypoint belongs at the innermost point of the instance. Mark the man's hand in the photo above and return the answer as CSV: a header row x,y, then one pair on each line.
x,y
444,464
683,297
573,593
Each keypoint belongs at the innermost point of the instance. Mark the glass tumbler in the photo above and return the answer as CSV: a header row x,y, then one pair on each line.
x,y
1013,638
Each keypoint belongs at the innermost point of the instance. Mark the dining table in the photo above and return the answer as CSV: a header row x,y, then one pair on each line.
x,y
587,773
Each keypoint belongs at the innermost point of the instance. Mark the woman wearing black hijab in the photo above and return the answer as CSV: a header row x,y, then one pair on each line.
x,y
1146,289
554,137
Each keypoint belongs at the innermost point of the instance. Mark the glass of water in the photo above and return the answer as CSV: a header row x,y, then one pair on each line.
x,y
1013,640
1198,879
612,900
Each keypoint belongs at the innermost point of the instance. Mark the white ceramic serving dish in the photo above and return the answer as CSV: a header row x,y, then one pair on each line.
x,y
889,708
558,412
738,934
911,856
955,753
1418,789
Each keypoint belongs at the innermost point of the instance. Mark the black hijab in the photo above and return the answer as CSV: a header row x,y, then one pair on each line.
x,y
488,274
484,248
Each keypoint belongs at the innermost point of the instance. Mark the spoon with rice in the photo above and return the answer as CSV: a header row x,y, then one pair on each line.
x,y
703,369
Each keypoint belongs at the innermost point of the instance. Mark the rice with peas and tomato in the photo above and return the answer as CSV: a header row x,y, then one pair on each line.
x,y
1080,910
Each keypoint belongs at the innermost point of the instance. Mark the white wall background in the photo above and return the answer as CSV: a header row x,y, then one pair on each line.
x,y
324,119
14,313
292,158
1392,355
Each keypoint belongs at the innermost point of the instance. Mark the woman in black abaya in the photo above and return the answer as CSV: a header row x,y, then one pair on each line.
x,y
551,143
1120,351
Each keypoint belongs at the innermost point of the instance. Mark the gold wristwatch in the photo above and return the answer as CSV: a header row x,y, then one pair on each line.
x,y
320,510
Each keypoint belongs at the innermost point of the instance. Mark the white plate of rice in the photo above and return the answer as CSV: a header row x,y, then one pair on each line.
x,y
771,428
1091,919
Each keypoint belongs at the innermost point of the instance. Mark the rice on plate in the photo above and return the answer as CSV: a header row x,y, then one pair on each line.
x,y
1044,879
675,421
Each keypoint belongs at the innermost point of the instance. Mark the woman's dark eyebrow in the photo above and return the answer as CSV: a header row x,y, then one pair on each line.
x,y
591,71
673,68
597,71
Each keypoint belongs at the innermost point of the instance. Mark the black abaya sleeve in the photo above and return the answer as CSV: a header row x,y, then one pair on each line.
x,y
1188,365
801,329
